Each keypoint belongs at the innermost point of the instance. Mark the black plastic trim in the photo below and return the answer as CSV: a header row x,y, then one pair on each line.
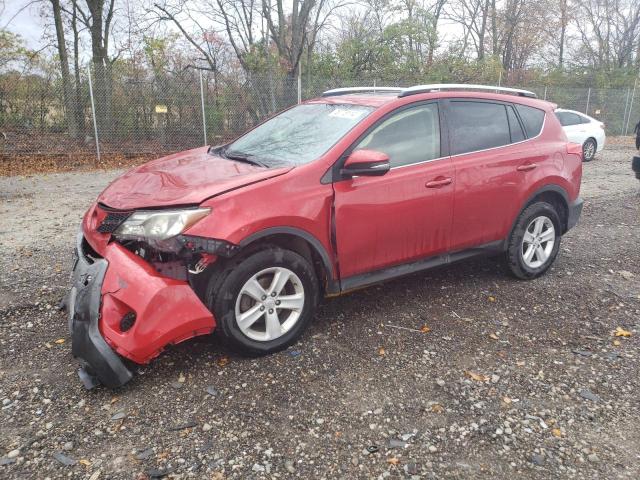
x,y
378,276
97,358
547,188
333,285
208,245
575,210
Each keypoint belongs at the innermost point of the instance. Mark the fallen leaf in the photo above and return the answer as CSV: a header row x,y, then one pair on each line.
x,y
437,408
492,299
85,462
222,361
476,376
114,399
393,461
381,351
556,432
621,332
59,341
425,329
616,343
493,336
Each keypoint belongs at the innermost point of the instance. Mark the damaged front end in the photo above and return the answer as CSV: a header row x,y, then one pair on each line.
x,y
129,299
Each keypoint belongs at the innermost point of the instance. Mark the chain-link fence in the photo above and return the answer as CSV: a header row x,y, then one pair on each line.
x,y
168,113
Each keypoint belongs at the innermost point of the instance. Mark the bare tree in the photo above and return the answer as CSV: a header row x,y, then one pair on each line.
x,y
67,90
609,32
98,18
473,16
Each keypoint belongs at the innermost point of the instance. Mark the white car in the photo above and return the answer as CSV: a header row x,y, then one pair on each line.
x,y
583,129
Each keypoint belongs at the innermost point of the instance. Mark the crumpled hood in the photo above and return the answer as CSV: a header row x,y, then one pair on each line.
x,y
185,178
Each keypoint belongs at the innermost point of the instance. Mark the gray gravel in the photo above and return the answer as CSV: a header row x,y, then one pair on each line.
x,y
514,378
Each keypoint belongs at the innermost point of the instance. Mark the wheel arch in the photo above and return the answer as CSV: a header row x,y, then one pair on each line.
x,y
301,242
553,194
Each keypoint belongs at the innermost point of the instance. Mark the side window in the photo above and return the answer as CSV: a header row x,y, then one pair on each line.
x,y
532,118
568,118
409,136
478,126
517,135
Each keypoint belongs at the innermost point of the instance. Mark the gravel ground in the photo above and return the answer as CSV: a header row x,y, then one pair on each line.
x,y
513,378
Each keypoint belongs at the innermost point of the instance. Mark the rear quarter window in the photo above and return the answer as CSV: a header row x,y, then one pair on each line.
x,y
532,119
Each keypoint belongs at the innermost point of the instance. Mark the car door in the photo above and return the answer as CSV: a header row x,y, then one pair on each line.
x,y
406,213
492,165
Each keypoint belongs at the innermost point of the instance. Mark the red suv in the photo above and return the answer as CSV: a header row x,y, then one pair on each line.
x,y
337,193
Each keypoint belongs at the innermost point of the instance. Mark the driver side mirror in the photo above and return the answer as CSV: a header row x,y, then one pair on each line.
x,y
365,163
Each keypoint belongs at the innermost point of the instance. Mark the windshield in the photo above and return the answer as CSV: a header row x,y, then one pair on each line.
x,y
298,135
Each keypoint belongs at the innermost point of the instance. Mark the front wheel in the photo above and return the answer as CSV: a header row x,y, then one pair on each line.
x,y
534,243
265,301
589,148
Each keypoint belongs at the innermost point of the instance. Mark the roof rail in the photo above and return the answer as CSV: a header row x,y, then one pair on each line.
x,y
463,86
349,90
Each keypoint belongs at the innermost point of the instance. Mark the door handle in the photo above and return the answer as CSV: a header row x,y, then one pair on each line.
x,y
527,167
438,183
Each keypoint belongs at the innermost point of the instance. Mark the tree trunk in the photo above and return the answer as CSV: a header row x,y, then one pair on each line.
x,y
64,70
99,29
79,100
563,30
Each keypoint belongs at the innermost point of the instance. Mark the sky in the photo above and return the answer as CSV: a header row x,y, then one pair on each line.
x,y
27,23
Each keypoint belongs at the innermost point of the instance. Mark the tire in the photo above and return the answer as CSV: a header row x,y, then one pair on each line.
x,y
538,214
589,149
232,294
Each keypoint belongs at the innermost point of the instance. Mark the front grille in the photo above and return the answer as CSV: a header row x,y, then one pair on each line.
x,y
112,221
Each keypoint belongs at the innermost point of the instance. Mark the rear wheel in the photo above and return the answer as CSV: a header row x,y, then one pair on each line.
x,y
264,302
535,241
589,148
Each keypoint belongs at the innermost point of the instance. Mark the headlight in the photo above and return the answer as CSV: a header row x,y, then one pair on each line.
x,y
156,226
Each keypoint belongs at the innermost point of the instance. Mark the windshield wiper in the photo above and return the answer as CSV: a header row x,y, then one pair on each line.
x,y
241,157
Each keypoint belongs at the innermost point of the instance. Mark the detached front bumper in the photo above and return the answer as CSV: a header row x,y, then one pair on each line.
x,y
99,363
120,306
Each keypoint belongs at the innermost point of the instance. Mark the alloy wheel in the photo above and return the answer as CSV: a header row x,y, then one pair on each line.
x,y
589,150
269,304
538,241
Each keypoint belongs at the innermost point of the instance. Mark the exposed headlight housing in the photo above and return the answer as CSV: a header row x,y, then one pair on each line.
x,y
155,227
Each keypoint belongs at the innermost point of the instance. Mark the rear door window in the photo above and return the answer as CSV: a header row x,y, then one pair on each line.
x,y
477,126
532,119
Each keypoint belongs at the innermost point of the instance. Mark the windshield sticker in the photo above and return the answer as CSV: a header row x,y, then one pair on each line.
x,y
349,114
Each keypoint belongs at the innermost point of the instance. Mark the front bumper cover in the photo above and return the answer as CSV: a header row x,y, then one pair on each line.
x,y
99,362
115,283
